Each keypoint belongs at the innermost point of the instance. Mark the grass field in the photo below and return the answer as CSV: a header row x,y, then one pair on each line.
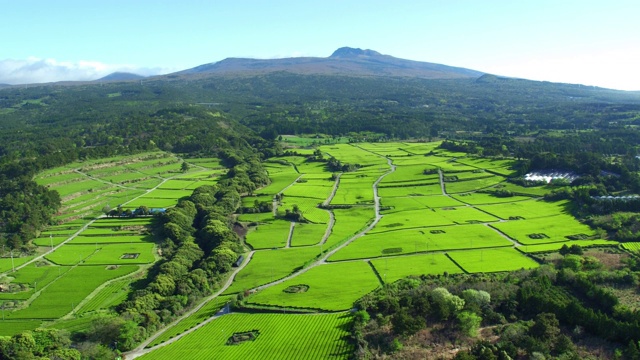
x,y
492,260
521,190
308,207
308,234
348,223
329,288
257,217
478,198
281,336
431,217
103,254
555,228
33,278
399,204
405,191
281,176
269,235
62,295
111,295
7,263
531,209
395,268
312,188
12,327
109,254
269,265
410,173
472,185
421,240
354,189
111,239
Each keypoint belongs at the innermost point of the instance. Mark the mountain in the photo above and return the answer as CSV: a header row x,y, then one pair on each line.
x,y
121,76
344,61
4,85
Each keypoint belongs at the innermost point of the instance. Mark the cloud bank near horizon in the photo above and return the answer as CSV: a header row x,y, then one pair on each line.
x,y
37,70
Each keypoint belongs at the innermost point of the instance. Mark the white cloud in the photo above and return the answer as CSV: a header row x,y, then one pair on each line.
x,y
37,70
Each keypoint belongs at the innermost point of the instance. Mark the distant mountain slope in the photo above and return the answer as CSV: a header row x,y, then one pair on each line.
x,y
344,61
121,76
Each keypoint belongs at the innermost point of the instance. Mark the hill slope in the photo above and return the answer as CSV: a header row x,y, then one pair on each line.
x,y
121,76
344,61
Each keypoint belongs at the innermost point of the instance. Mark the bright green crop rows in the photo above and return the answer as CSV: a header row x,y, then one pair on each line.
x,y
111,295
62,295
632,246
281,336
207,311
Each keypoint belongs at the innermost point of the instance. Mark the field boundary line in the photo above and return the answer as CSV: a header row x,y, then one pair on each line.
x,y
515,242
375,271
456,263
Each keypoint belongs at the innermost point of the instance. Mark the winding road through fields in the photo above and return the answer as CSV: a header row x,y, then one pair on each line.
x,y
140,349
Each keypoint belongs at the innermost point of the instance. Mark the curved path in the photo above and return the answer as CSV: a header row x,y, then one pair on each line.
x,y
140,349
324,258
332,217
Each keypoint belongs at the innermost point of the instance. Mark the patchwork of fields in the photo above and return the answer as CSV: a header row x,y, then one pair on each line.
x,y
409,209
86,262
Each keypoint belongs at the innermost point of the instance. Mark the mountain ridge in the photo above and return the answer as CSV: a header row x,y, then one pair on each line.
x,y
343,61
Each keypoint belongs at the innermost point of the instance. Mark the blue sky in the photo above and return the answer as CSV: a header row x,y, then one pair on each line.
x,y
586,42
